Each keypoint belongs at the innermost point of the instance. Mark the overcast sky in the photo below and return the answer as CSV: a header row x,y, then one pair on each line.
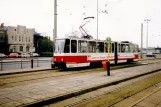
x,y
123,21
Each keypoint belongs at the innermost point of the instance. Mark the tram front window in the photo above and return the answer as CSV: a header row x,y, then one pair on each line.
x,y
62,46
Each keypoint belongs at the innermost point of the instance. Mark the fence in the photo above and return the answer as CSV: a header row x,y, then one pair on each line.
x,y
8,64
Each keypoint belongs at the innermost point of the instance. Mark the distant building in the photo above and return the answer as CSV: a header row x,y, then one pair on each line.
x,y
20,39
3,40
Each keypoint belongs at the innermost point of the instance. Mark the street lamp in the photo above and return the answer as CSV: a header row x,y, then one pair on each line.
x,y
97,19
55,21
147,20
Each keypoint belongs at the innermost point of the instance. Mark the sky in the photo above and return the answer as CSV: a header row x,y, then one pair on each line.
x,y
123,21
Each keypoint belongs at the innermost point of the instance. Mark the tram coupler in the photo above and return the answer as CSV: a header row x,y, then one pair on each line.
x,y
108,68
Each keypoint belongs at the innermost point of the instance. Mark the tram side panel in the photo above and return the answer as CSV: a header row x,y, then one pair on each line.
x,y
66,57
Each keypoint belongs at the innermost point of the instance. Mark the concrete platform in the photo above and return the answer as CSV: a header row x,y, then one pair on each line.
x,y
39,93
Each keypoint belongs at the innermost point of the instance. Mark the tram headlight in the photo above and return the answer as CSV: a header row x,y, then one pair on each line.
x,y
54,59
62,59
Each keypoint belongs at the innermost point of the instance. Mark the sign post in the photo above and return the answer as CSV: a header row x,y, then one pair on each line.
x,y
108,41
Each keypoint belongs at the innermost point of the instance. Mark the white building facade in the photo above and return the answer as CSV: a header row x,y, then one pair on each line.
x,y
20,39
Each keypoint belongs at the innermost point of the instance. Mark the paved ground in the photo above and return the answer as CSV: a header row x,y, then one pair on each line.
x,y
38,92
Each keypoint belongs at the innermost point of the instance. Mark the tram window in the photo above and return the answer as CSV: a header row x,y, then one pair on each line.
x,y
82,46
73,46
113,48
105,47
118,47
67,46
127,48
92,46
131,48
123,48
100,47
134,50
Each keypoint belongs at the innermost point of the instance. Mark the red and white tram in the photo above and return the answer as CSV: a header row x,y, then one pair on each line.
x,y
81,52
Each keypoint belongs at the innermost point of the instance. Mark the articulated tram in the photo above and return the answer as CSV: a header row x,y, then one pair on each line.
x,y
80,52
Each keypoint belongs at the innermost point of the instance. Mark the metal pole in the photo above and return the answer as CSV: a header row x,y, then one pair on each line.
x,y
108,62
147,35
55,27
32,63
141,40
21,63
108,51
55,21
97,19
37,46
37,62
1,65
51,60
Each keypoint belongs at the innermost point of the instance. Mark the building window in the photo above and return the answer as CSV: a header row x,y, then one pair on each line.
x,y
12,37
29,39
27,48
22,39
26,39
21,48
15,38
14,48
15,29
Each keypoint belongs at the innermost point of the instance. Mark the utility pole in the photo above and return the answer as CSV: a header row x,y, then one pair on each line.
x,y
97,19
141,51
55,29
147,20
55,21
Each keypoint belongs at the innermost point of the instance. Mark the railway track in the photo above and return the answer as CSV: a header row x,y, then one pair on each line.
x,y
23,79
65,80
35,77
119,95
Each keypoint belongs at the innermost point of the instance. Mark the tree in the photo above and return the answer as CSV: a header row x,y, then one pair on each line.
x,y
45,45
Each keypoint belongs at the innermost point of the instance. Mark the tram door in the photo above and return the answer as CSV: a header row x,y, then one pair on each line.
x,y
115,53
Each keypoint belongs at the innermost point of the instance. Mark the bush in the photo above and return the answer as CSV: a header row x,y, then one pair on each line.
x,y
46,54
